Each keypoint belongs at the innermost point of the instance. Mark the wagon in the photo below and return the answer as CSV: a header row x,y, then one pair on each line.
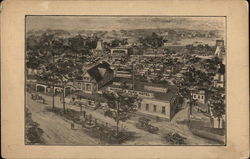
x,y
35,96
143,123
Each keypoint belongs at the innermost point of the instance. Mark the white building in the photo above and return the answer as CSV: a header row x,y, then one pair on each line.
x,y
157,100
199,95
219,80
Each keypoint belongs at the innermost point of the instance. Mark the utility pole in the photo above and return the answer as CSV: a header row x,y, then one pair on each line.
x,y
117,116
63,96
133,76
53,85
190,107
191,102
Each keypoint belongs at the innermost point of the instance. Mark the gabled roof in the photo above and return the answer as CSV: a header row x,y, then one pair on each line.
x,y
98,71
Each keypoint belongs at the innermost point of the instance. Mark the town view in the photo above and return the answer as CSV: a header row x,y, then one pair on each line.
x,y
125,80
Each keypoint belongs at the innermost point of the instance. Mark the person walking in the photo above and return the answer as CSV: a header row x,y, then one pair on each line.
x,y
72,126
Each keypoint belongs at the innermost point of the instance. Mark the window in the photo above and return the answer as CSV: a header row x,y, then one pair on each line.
x,y
88,87
139,105
198,96
147,107
194,96
86,78
163,111
201,97
154,108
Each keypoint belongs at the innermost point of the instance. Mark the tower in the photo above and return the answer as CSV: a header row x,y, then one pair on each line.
x,y
219,48
99,45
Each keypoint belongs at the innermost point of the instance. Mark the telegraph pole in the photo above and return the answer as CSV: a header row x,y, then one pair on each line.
x,y
133,76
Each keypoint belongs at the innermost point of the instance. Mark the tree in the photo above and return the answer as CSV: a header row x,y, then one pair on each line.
x,y
41,55
218,108
115,43
217,105
65,71
47,75
153,41
120,106
79,46
55,59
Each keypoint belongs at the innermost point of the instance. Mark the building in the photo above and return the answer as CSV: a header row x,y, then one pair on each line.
x,y
94,78
122,72
219,80
99,49
157,100
199,95
99,46
120,52
220,51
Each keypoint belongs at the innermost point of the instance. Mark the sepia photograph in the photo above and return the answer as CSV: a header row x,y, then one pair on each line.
x,y
125,80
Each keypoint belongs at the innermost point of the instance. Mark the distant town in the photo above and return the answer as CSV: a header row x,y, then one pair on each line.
x,y
125,87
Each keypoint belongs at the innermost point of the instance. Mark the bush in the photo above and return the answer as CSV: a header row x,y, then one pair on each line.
x,y
175,138
108,135
70,114
33,133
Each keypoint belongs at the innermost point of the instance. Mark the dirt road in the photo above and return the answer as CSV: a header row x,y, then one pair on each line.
x,y
57,131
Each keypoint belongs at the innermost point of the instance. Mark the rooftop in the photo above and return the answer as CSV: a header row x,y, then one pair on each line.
x,y
139,86
98,71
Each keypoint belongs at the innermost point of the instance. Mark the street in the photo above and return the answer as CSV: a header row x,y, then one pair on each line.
x,y
57,130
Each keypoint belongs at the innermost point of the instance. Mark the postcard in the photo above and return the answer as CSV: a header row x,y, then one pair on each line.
x,y
124,79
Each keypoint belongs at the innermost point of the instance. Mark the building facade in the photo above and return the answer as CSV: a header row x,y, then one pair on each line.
x,y
155,100
219,80
94,78
199,95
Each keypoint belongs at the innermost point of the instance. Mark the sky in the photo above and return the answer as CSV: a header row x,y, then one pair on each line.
x,y
75,23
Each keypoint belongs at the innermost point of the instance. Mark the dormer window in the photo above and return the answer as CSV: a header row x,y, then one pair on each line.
x,y
86,78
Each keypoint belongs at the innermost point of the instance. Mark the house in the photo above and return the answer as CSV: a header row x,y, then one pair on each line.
x,y
157,100
219,80
94,78
199,95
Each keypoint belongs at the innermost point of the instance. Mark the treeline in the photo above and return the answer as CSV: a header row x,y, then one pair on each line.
x,y
200,49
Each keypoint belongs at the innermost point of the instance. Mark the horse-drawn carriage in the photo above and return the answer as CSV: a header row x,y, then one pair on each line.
x,y
35,96
146,126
